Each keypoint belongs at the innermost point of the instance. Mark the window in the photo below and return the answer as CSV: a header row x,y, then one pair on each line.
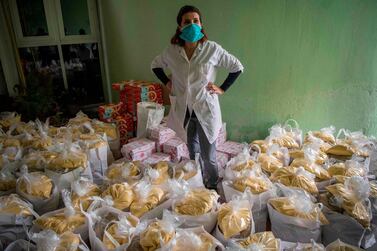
x,y
61,38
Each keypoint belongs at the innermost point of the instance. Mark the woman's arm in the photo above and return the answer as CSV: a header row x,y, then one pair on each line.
x,y
160,74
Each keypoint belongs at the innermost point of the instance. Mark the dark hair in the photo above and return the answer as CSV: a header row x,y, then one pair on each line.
x,y
186,9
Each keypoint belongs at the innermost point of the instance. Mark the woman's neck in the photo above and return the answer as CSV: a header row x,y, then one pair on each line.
x,y
189,45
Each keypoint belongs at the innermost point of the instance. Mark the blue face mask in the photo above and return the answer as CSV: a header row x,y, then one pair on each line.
x,y
191,33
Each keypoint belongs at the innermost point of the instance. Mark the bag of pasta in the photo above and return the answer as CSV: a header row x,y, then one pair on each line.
x,y
7,180
97,150
82,192
326,134
69,163
190,171
63,220
234,220
16,211
150,200
349,168
242,161
298,246
39,189
112,133
158,174
295,177
10,149
158,234
269,163
7,119
194,207
36,161
262,241
125,171
48,240
296,218
338,245
195,239
352,143
309,163
111,229
312,151
352,197
121,195
285,136
79,119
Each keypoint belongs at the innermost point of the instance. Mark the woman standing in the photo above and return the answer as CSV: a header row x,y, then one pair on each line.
x,y
195,110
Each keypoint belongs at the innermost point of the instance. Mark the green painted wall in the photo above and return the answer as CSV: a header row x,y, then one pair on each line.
x,y
314,60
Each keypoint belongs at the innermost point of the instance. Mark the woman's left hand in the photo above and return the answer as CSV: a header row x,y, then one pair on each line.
x,y
214,89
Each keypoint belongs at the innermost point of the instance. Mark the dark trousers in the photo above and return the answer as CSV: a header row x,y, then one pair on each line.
x,y
197,142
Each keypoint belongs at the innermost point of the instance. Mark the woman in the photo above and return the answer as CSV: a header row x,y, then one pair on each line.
x,y
195,110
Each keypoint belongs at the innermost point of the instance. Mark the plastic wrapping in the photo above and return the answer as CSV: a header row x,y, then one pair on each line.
x,y
82,192
295,177
263,241
234,220
7,181
59,221
326,134
15,211
285,136
296,218
298,246
149,114
158,174
194,207
48,240
99,222
195,239
150,201
121,194
338,245
39,190
125,171
35,161
159,233
7,119
347,229
269,163
190,171
352,197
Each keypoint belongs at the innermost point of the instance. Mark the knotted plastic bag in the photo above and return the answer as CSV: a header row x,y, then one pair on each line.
x,y
148,197
263,241
352,197
121,194
156,235
82,192
295,177
235,218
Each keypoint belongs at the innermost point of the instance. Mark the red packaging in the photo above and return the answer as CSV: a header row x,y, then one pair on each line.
x,y
126,127
107,113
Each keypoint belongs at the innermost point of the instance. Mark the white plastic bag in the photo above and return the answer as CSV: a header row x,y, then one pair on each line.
x,y
149,114
40,205
99,219
346,229
295,229
189,239
21,245
236,203
188,166
207,220
48,240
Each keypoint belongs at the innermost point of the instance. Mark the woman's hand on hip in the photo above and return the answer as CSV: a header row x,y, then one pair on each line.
x,y
214,89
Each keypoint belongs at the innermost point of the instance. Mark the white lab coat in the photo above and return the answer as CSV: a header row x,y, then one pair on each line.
x,y
189,81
